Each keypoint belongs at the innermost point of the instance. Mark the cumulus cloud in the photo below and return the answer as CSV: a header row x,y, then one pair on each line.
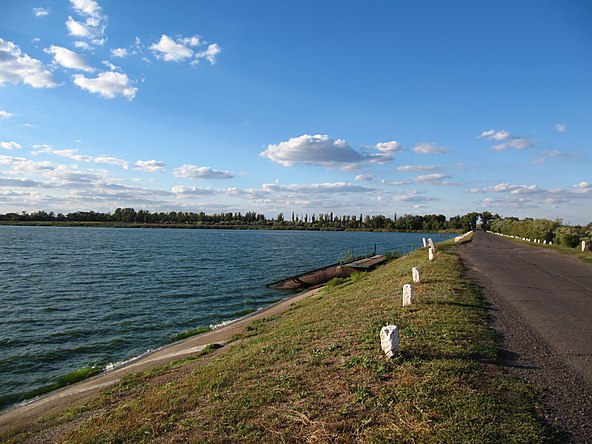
x,y
92,28
41,12
17,67
518,143
201,172
386,151
315,150
107,84
169,50
150,166
495,135
119,52
181,49
209,54
68,59
10,145
364,178
429,148
5,114
561,127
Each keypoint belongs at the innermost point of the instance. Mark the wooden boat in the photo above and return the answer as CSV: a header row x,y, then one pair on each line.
x,y
323,275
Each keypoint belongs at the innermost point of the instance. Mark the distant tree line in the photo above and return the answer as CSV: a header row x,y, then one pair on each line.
x,y
550,230
544,229
320,221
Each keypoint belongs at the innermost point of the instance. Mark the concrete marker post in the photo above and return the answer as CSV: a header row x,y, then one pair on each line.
x,y
389,340
416,276
407,295
423,240
583,245
431,255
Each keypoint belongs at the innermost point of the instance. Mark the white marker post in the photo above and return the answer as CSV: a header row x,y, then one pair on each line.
x,y
432,245
389,340
416,277
407,295
431,255
423,240
583,245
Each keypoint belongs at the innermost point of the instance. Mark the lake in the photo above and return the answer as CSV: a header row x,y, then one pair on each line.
x,y
72,298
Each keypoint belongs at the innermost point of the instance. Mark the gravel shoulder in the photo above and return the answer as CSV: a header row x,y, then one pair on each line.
x,y
541,302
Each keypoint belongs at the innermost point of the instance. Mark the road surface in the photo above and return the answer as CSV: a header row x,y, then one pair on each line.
x,y
541,302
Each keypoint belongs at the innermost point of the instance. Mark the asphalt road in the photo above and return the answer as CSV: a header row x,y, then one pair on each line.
x,y
541,301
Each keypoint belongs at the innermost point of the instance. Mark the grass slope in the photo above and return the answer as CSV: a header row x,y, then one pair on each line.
x,y
316,373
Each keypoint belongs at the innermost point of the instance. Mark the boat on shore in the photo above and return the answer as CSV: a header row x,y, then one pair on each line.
x,y
323,275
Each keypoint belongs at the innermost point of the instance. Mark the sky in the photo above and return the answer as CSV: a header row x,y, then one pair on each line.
x,y
382,107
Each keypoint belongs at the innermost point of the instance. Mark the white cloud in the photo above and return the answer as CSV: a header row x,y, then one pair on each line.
x,y
119,52
68,59
110,65
87,7
93,27
209,54
495,135
17,67
192,191
196,172
418,168
10,145
150,166
315,150
112,161
429,148
169,50
73,154
78,29
518,143
5,114
582,188
431,178
560,127
41,12
107,84
321,188
27,165
364,178
180,49
386,151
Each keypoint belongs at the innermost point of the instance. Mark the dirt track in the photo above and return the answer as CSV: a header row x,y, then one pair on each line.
x,y
541,302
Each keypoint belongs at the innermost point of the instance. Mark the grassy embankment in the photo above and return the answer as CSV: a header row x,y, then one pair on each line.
x,y
585,256
316,373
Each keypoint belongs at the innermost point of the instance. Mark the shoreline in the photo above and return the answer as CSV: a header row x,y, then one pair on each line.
x,y
28,411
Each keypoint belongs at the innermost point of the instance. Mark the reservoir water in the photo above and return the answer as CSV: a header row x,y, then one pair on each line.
x,y
72,298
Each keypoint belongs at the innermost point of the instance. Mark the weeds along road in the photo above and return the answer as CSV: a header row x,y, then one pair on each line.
x,y
541,302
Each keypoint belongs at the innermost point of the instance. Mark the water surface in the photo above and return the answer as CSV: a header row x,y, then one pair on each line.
x,y
81,297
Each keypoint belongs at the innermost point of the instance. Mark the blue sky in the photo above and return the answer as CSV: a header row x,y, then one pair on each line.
x,y
376,107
